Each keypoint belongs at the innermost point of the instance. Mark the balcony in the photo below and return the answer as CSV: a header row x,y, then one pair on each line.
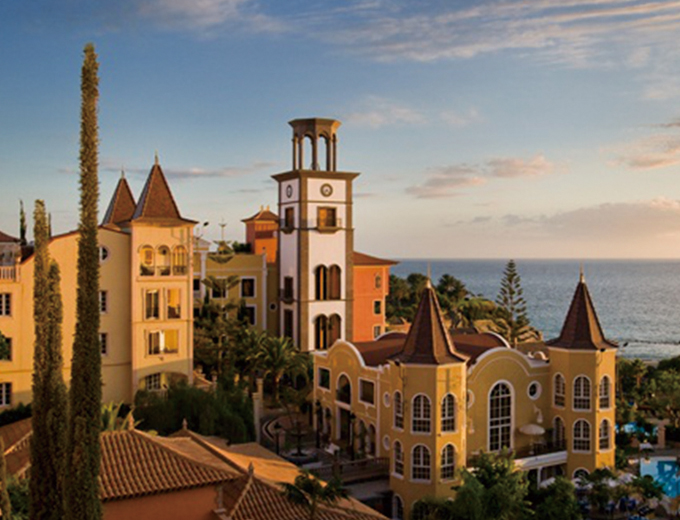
x,y
8,273
538,455
286,295
323,225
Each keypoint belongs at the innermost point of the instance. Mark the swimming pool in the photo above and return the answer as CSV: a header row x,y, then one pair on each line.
x,y
665,471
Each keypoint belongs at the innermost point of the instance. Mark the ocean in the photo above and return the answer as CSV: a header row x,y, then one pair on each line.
x,y
637,301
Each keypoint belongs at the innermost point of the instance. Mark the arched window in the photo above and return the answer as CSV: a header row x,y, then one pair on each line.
x,y
334,282
321,332
582,393
420,463
604,435
580,474
448,413
344,390
146,261
558,433
378,281
163,261
398,411
605,387
334,329
321,287
397,508
398,459
448,466
581,435
500,417
179,261
559,390
421,414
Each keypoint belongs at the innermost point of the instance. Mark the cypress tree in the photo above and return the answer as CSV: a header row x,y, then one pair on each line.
x,y
85,396
5,504
22,224
49,391
512,316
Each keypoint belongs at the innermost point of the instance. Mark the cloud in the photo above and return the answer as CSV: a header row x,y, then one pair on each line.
x,y
461,119
638,222
660,150
377,112
192,172
446,181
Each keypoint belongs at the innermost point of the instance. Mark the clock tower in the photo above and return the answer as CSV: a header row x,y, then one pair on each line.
x,y
316,239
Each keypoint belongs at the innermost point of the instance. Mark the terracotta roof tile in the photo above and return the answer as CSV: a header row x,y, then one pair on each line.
x,y
475,344
122,205
156,202
362,259
135,464
4,237
378,351
581,329
264,214
15,433
428,341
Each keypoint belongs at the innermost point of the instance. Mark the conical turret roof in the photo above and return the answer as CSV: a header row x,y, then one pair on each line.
x,y
156,202
581,329
428,341
122,205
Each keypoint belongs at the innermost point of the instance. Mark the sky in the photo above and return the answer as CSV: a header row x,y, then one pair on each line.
x,y
482,129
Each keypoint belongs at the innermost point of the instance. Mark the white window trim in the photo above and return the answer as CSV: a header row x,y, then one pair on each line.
x,y
413,400
609,393
590,437
455,414
573,395
146,307
318,383
609,437
3,297
538,394
512,415
374,392
554,392
240,288
412,466
394,413
161,343
4,394
573,475
396,497
106,336
335,394
254,313
455,451
393,461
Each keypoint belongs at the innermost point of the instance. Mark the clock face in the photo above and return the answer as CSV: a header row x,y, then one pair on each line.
x,y
326,190
289,191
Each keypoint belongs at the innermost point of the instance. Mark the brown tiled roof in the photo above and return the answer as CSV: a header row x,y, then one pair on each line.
x,y
428,341
263,214
362,259
122,205
15,433
135,464
475,344
378,351
156,202
17,440
581,329
4,237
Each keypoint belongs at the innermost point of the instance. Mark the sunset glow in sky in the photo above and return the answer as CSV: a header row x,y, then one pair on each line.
x,y
515,128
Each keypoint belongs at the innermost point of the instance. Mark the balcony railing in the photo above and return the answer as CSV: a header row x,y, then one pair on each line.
x,y
527,452
8,273
325,224
286,296
356,471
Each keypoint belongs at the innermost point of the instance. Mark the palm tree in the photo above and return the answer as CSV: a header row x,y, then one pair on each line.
x,y
310,492
278,356
244,352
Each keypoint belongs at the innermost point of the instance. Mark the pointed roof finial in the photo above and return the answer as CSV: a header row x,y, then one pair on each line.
x,y
185,424
122,172
581,277
251,469
428,283
155,161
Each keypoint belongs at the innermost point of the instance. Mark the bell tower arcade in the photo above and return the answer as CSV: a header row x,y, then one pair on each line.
x,y
316,239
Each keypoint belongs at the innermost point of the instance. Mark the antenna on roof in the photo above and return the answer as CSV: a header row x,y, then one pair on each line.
x,y
155,161
581,276
122,172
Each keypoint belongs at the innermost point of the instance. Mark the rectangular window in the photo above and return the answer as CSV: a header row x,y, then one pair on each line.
x,y
103,302
219,290
247,287
377,330
377,307
366,391
153,343
289,218
104,343
288,323
5,394
324,378
153,382
248,313
197,284
174,304
152,305
288,288
5,304
5,348
326,218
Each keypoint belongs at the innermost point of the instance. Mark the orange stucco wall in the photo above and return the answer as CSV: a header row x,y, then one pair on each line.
x,y
192,504
366,293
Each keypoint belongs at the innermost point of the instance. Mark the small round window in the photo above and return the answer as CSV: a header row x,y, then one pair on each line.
x,y
103,253
386,399
534,390
386,442
272,306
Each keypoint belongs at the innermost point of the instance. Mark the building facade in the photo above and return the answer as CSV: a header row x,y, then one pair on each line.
x,y
146,298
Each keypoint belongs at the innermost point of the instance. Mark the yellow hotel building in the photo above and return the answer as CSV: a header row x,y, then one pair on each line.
x,y
146,296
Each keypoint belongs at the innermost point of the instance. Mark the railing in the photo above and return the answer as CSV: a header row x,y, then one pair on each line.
x,y
535,450
356,470
286,295
8,273
328,224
